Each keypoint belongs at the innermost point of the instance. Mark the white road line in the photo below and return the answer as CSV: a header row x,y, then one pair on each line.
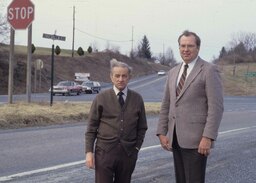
x,y
147,83
235,130
10,177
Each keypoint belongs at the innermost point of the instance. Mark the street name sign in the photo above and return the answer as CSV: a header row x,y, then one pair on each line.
x,y
54,37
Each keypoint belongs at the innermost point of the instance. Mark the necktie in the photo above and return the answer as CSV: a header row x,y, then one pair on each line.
x,y
182,80
120,98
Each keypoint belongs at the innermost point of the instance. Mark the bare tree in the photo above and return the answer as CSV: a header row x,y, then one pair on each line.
x,y
169,57
248,39
112,47
4,30
4,26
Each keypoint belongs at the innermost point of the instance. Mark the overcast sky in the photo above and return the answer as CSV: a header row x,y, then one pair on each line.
x,y
162,21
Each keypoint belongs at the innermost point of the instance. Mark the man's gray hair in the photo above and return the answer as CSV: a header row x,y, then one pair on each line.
x,y
115,63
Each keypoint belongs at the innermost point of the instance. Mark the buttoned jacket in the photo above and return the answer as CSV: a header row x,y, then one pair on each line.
x,y
110,124
198,110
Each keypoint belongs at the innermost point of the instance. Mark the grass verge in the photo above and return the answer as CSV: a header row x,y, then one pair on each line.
x,y
21,115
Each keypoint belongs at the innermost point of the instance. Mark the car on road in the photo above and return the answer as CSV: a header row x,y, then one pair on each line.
x,y
67,88
161,73
91,87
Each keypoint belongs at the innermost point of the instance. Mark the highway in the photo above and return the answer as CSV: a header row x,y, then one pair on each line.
x,y
56,153
150,87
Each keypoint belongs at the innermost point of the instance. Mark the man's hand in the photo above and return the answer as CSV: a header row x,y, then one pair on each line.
x,y
205,146
164,141
89,160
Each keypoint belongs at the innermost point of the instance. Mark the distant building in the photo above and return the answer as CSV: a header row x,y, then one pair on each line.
x,y
82,77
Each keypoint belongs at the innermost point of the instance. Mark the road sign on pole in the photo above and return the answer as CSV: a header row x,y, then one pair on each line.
x,y
20,14
53,37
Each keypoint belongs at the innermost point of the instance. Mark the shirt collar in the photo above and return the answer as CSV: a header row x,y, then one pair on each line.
x,y
117,91
190,64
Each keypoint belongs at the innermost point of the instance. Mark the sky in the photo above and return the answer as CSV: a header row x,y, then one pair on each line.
x,y
114,23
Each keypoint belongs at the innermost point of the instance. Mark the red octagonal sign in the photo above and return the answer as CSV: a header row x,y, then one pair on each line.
x,y
20,13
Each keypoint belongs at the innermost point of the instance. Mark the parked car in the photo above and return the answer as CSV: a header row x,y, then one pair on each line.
x,y
91,87
161,73
67,88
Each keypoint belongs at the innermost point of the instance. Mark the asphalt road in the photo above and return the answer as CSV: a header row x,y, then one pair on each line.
x,y
55,154
150,87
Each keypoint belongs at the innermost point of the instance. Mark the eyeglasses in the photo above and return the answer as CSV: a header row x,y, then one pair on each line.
x,y
189,46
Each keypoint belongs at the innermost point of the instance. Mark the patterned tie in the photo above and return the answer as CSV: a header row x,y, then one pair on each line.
x,y
182,80
120,98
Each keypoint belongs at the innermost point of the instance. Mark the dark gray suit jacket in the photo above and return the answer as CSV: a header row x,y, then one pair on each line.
x,y
198,110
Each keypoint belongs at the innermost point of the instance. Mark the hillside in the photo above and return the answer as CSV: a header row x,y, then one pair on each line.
x,y
97,64
235,81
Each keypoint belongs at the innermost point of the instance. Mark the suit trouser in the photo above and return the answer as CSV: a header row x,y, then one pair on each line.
x,y
189,165
114,166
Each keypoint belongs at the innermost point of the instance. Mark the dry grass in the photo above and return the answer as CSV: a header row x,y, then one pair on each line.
x,y
236,83
40,114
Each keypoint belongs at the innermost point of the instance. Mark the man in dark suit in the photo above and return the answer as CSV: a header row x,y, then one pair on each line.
x,y
191,111
117,123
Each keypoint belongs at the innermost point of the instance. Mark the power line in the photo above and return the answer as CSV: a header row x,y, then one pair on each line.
x,y
91,35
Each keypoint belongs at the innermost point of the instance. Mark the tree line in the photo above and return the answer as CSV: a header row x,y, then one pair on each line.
x,y
242,48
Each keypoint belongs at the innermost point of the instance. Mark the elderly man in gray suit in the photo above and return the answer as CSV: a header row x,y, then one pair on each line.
x,y
191,111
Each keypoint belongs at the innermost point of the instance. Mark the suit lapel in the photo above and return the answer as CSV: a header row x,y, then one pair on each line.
x,y
195,71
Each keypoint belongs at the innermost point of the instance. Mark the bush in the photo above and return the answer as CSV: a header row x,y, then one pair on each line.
x,y
89,50
80,51
57,50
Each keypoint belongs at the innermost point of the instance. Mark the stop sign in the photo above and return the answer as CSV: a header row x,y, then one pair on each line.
x,y
20,13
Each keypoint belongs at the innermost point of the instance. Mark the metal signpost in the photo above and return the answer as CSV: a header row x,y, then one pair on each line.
x,y
53,37
38,65
20,15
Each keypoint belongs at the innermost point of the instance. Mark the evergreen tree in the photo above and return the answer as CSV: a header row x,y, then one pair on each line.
x,y
240,49
144,48
89,50
223,53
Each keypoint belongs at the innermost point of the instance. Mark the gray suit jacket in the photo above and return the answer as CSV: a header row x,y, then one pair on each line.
x,y
197,111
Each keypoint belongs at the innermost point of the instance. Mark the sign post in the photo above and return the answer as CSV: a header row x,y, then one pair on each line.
x,y
20,15
53,37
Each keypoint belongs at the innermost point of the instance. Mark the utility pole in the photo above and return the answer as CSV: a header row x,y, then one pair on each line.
x,y
132,43
163,50
73,31
163,54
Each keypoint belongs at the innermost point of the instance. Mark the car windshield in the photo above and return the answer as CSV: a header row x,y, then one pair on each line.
x,y
64,84
88,84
